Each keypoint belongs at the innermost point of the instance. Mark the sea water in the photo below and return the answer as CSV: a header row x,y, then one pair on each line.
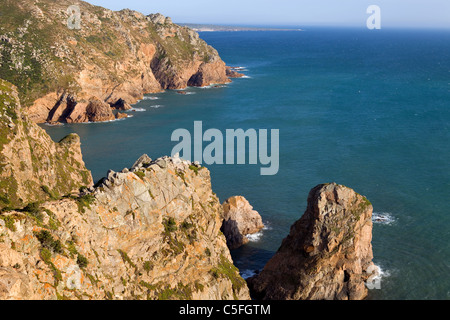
x,y
369,109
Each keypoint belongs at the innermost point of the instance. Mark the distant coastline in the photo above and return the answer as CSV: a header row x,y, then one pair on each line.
x,y
215,28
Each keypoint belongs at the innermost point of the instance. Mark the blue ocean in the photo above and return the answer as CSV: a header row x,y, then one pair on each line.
x,y
369,109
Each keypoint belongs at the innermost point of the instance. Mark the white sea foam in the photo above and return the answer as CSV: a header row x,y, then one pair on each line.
x,y
54,125
247,273
138,110
157,106
383,218
255,237
107,121
380,275
267,225
150,98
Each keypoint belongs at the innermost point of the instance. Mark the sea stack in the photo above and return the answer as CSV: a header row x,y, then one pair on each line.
x,y
239,221
327,254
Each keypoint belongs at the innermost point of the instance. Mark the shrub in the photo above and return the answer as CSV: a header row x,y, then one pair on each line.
x,y
47,241
82,261
170,225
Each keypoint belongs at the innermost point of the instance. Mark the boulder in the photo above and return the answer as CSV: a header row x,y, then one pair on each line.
x,y
232,73
98,110
121,115
142,161
328,253
239,220
121,104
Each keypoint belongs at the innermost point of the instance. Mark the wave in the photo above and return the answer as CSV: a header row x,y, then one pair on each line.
x,y
384,218
378,275
54,125
157,106
137,110
238,68
107,121
247,273
255,237
245,77
150,98
267,225
214,85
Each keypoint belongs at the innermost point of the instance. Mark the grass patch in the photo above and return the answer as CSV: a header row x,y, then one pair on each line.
x,y
126,258
140,174
9,222
226,269
82,261
47,241
169,225
84,202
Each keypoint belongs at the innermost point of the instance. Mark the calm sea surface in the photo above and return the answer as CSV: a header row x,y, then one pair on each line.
x,y
367,109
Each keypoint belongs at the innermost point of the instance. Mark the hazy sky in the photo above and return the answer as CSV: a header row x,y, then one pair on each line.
x,y
394,13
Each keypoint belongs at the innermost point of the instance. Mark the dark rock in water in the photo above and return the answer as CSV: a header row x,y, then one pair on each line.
x,y
121,104
231,73
327,254
121,115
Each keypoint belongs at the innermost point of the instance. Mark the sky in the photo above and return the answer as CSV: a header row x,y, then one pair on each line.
x,y
394,13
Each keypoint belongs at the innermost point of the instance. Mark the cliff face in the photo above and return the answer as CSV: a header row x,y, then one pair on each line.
x,y
114,55
32,166
327,253
149,233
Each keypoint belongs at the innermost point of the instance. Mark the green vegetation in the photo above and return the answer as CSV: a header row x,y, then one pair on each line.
x,y
226,269
169,225
9,222
195,169
47,241
82,261
148,266
163,292
126,258
140,174
52,194
84,202
46,256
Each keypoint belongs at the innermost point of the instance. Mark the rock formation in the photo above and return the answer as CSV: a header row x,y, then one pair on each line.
x,y
232,73
112,56
150,233
32,166
239,220
327,253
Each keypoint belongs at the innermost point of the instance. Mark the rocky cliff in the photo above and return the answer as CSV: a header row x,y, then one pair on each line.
x,y
327,253
112,56
152,232
32,166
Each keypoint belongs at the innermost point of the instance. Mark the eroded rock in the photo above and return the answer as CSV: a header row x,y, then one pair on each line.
x,y
239,220
327,253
